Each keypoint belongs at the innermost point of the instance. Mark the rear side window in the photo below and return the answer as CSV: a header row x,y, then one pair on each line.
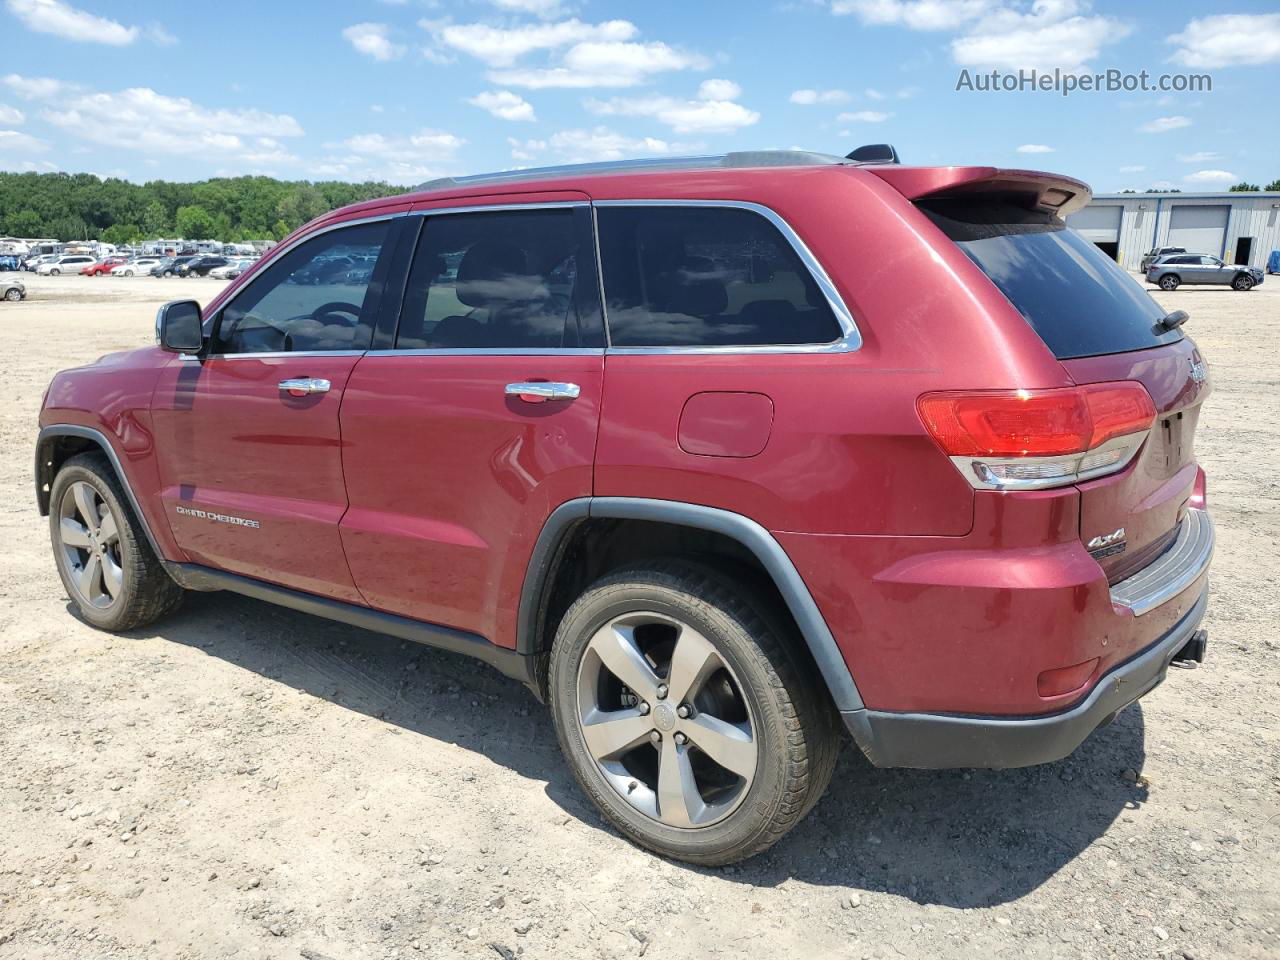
x,y
507,280
706,276
1079,301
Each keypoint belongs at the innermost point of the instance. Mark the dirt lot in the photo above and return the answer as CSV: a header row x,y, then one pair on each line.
x,y
244,781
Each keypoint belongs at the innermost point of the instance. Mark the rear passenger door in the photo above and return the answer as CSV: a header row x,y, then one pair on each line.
x,y
452,466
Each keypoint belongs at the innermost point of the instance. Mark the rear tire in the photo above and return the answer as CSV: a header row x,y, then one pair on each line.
x,y
1243,283
686,715
1169,282
106,564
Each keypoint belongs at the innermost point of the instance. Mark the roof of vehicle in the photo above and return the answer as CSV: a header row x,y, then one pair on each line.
x,y
713,176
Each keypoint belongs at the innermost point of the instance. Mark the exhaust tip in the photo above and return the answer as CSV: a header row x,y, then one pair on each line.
x,y
1193,650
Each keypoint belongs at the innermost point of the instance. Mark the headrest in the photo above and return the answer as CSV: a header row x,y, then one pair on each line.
x,y
696,287
494,271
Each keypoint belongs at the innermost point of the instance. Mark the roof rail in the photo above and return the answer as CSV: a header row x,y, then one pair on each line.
x,y
745,158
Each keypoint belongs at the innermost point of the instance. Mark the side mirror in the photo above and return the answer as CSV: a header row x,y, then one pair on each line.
x,y
178,327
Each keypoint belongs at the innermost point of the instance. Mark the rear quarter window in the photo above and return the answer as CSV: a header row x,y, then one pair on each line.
x,y
1080,302
706,276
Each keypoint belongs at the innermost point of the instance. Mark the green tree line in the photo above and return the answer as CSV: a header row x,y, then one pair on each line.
x,y
80,206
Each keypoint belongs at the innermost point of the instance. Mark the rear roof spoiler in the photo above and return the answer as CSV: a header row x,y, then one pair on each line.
x,y
1050,192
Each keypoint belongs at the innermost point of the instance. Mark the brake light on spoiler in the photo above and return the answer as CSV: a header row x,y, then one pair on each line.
x,y
1032,439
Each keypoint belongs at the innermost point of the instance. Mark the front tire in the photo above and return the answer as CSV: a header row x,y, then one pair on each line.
x,y
13,294
685,714
106,564
1169,282
1242,283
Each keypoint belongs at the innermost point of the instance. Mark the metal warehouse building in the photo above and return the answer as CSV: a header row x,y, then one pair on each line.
x,y
1238,227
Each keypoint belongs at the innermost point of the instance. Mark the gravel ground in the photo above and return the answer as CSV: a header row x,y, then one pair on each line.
x,y
245,781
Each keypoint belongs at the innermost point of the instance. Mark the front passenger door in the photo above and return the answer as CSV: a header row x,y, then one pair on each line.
x,y
248,441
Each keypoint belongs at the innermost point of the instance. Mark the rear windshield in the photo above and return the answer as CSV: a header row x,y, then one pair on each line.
x,y
1074,296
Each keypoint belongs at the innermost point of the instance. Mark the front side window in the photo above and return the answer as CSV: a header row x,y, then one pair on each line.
x,y
521,279
684,276
315,297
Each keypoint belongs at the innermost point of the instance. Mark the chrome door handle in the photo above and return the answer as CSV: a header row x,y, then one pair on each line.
x,y
542,390
304,385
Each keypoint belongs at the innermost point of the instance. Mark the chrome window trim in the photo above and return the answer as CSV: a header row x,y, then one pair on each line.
x,y
851,339
489,352
278,251
501,207
273,355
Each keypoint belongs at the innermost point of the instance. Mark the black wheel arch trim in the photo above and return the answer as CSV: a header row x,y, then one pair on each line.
x,y
44,476
539,575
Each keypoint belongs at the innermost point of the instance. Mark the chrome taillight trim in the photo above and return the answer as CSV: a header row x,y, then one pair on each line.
x,y
974,468
1173,571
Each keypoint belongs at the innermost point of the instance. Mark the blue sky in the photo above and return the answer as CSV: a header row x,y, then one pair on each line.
x,y
409,90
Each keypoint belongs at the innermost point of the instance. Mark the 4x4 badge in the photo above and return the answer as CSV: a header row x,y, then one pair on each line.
x,y
1106,539
1197,369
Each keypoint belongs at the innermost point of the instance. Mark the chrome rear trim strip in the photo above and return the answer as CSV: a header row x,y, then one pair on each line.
x,y
1173,571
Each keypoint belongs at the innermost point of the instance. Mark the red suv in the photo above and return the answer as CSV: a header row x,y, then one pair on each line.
x,y
712,454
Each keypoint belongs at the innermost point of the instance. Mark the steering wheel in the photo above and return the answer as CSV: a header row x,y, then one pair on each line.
x,y
337,307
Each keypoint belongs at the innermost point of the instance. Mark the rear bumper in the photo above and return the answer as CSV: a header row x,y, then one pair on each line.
x,y
935,741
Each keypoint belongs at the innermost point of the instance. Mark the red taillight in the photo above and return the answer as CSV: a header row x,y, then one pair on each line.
x,y
1200,491
1035,423
1026,439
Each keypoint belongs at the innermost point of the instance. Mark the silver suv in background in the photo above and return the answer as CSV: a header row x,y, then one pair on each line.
x,y
1170,272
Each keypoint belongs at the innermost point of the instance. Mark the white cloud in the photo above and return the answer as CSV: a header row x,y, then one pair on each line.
x,y
1164,124
864,116
539,8
503,46
375,156
159,35
70,23
873,94
15,142
504,104
1133,168
578,54
33,88
608,64
915,14
1211,176
719,90
1228,40
1034,148
712,112
809,97
11,115
1055,33
142,119
374,40
1201,156
599,143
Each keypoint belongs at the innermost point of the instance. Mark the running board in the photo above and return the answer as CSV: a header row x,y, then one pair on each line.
x,y
193,576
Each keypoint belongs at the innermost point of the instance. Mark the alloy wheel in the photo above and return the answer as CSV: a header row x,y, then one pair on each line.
x,y
89,536
665,720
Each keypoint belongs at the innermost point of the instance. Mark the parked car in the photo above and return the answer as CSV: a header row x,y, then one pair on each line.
x,y
102,268
231,270
329,270
1155,253
12,289
642,451
71,263
200,266
169,266
1193,268
131,268
33,264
